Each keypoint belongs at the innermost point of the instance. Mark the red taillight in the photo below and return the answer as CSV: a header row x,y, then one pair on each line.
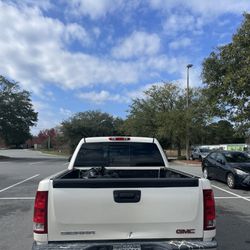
x,y
119,138
40,213
209,209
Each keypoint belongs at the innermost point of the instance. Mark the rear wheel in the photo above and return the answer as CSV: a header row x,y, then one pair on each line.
x,y
205,173
231,181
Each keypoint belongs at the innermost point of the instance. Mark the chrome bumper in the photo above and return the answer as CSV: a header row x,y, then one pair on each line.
x,y
130,245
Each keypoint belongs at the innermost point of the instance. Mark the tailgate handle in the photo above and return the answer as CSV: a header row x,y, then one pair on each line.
x,y
127,196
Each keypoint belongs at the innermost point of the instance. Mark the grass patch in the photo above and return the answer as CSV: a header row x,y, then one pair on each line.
x,y
55,152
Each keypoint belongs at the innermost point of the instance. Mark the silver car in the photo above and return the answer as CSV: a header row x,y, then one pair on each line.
x,y
199,153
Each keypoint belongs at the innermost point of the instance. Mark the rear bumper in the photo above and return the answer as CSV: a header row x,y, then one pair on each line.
x,y
143,245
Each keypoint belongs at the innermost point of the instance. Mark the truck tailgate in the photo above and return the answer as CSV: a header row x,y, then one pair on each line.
x,y
139,211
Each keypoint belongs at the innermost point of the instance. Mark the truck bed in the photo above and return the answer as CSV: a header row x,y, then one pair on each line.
x,y
125,178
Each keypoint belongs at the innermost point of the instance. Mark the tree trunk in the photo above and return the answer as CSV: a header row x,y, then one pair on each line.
x,y
179,148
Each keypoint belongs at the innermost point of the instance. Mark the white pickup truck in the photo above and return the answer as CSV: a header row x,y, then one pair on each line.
x,y
119,193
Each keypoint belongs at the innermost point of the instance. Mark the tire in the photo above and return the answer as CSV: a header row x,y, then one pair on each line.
x,y
231,181
191,158
206,174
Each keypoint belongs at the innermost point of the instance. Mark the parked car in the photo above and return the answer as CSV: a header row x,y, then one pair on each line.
x,y
199,153
232,167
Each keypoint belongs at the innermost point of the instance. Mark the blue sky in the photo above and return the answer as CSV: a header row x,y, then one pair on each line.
x,y
100,54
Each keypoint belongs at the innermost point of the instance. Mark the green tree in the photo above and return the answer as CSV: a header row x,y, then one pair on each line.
x,y
162,113
148,115
90,123
199,115
227,78
221,132
16,113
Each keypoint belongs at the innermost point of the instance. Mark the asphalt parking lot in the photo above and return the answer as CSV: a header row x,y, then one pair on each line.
x,y
20,176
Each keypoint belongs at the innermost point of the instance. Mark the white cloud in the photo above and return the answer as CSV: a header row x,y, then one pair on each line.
x,y
33,51
74,31
46,96
166,64
137,44
44,4
93,9
139,93
100,9
180,43
39,106
105,96
215,7
101,97
204,8
192,15
32,46
65,112
176,23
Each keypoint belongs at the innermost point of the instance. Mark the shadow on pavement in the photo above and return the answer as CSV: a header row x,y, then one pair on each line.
x,y
32,159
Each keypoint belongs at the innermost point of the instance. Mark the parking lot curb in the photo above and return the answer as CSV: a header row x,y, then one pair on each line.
x,y
188,164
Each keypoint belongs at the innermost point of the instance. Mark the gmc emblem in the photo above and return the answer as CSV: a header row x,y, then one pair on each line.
x,y
185,231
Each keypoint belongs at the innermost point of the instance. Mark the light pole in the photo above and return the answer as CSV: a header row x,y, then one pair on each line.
x,y
187,121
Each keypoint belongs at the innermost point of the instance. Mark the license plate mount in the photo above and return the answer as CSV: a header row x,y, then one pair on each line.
x,y
127,246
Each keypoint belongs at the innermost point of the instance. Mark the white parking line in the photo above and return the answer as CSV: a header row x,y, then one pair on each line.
x,y
17,198
34,163
232,197
226,191
4,161
18,183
